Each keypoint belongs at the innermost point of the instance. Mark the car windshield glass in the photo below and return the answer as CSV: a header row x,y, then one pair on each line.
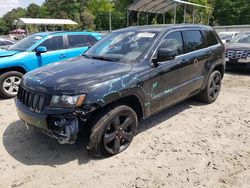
x,y
26,43
122,46
241,38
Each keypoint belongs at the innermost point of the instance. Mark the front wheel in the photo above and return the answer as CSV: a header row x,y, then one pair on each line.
x,y
113,132
212,90
9,83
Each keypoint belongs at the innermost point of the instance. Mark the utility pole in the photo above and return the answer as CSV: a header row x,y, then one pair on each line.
x,y
110,24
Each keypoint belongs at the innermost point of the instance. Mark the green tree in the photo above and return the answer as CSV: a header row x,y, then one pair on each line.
x,y
231,12
33,11
3,26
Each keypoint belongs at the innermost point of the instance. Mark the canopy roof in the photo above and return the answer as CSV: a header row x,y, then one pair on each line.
x,y
39,21
158,6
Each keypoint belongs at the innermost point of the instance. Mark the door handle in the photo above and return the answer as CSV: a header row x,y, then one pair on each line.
x,y
62,56
184,61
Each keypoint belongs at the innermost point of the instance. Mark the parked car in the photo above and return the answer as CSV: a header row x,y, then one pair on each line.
x,y
5,43
238,51
227,36
38,50
128,76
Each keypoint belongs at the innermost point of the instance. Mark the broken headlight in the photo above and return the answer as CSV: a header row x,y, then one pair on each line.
x,y
67,101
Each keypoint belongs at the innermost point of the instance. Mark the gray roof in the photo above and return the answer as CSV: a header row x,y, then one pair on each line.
x,y
39,21
158,6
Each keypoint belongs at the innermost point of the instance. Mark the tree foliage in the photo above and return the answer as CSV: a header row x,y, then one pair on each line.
x,y
231,12
94,14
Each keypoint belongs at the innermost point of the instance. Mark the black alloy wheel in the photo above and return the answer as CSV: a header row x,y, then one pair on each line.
x,y
118,134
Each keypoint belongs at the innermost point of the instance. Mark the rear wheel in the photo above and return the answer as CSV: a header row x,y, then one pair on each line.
x,y
114,131
9,83
212,90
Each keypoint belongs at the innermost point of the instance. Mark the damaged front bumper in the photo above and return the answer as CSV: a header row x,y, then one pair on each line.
x,y
64,128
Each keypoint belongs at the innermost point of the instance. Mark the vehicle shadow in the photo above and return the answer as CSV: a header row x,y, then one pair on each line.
x,y
31,147
168,113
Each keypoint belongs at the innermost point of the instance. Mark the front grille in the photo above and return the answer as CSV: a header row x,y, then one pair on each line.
x,y
237,54
34,101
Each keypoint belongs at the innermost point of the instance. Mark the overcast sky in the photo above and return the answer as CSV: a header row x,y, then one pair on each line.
x,y
7,5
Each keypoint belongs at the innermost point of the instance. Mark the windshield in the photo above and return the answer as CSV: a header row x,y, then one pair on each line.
x,y
122,46
241,38
25,43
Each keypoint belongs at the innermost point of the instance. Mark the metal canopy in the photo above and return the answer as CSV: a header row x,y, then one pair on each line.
x,y
160,7
155,6
38,21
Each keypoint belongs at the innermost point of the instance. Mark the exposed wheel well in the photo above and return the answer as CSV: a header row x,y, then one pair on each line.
x,y
18,69
220,68
131,101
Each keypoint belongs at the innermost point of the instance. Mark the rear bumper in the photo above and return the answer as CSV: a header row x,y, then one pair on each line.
x,y
237,65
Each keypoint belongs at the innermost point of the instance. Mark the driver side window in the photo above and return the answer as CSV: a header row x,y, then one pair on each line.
x,y
54,43
173,41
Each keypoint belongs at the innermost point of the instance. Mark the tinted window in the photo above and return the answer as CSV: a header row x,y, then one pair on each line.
x,y
53,43
193,40
80,40
2,43
174,42
210,38
90,39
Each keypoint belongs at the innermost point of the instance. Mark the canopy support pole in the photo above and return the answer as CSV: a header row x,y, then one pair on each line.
x,y
147,18
185,12
138,18
175,7
128,13
193,14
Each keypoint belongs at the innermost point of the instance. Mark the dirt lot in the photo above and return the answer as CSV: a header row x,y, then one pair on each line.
x,y
188,145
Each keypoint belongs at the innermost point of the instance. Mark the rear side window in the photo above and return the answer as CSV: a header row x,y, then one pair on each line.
x,y
54,43
76,41
210,38
193,40
174,42
90,39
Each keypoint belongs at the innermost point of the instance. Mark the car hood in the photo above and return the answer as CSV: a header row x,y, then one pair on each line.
x,y
238,46
73,76
6,53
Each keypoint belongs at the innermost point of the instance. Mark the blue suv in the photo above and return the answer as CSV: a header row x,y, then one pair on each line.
x,y
38,50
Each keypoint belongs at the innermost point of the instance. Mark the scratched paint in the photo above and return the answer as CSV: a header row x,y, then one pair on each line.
x,y
124,83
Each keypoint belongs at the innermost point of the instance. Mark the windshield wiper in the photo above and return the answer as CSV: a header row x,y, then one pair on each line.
x,y
105,58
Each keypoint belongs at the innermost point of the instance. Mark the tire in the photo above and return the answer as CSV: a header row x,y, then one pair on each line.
x,y
113,131
9,82
212,90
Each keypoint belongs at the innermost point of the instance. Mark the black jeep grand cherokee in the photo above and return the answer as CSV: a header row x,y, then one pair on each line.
x,y
130,75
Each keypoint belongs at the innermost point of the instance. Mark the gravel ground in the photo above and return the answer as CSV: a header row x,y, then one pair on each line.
x,y
189,145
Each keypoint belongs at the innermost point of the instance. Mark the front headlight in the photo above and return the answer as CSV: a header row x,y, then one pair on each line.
x,y
67,101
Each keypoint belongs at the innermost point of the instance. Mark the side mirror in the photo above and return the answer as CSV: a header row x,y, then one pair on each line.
x,y
165,54
41,49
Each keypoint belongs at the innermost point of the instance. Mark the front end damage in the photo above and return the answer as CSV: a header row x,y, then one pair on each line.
x,y
64,129
58,124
